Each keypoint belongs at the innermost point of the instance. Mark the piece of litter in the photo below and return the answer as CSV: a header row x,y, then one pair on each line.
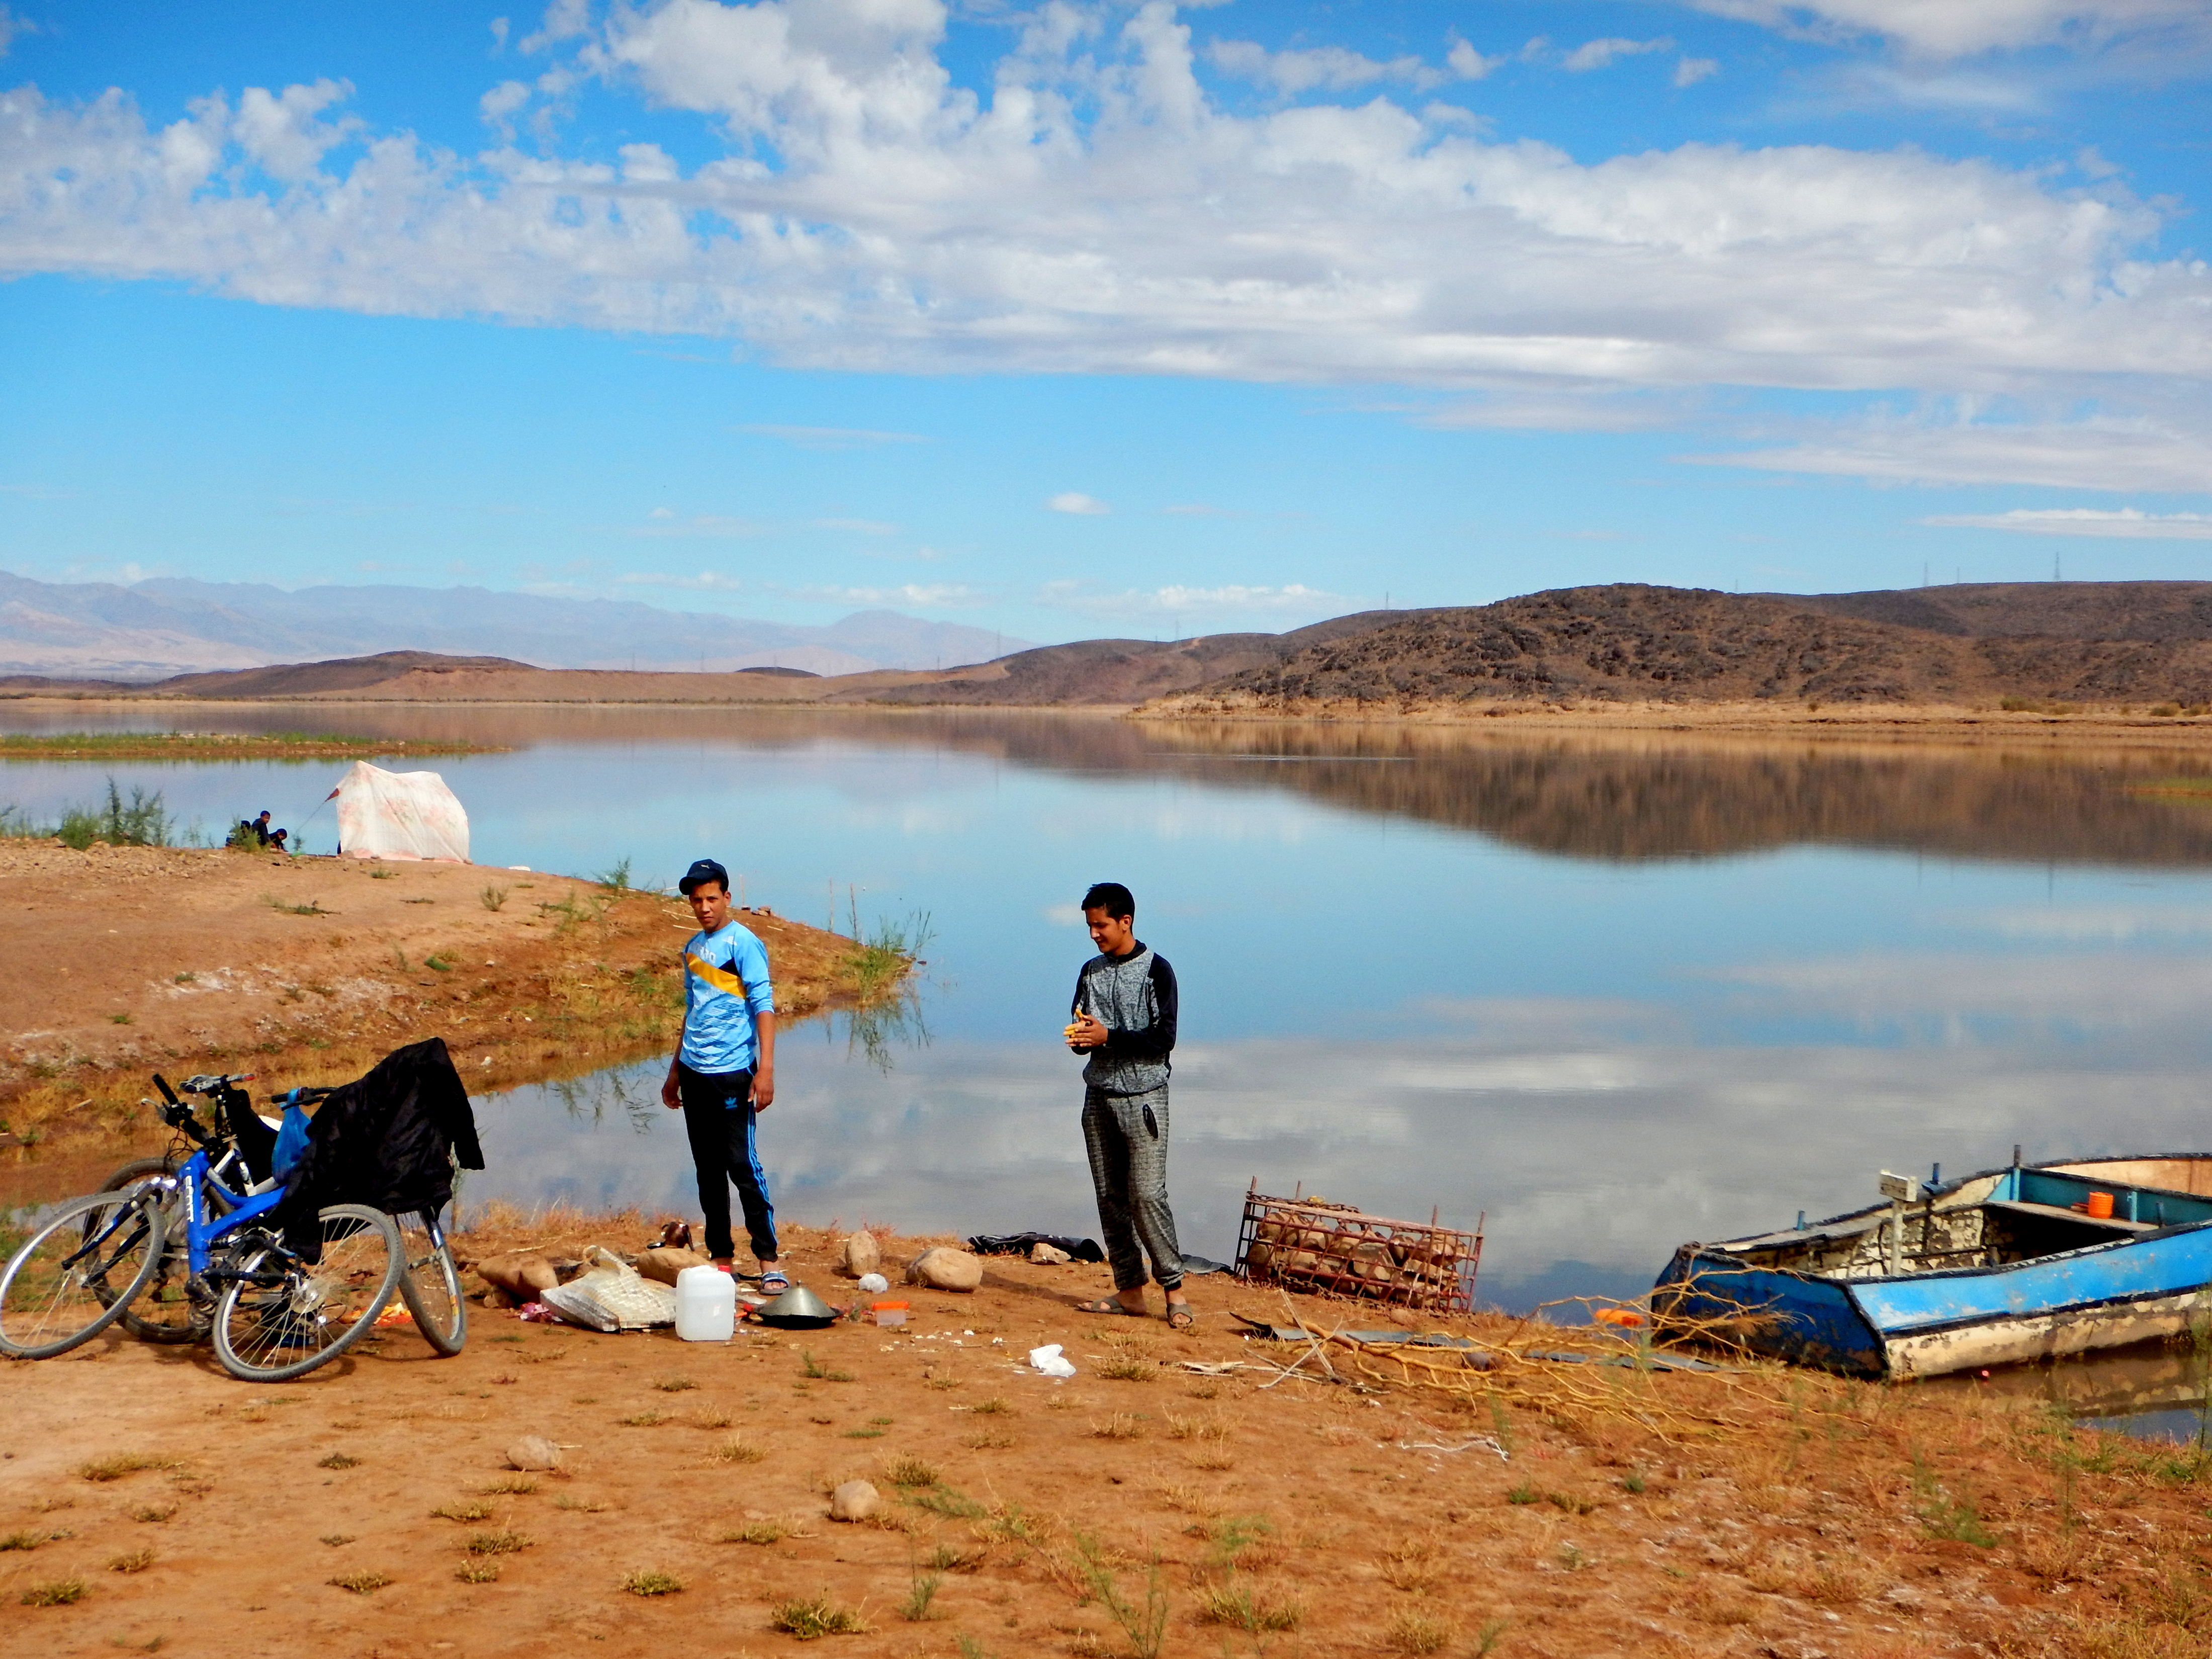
x,y
1482,1441
1051,1361
1212,1367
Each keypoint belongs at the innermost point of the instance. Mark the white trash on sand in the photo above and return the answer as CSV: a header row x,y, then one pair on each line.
x,y
1051,1361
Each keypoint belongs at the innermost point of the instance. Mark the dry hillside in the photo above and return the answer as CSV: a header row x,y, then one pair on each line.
x,y
2114,643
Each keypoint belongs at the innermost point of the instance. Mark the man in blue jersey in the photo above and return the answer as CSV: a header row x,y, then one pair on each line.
x,y
723,1075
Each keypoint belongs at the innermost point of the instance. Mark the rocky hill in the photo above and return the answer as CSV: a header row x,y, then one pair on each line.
x,y
2092,643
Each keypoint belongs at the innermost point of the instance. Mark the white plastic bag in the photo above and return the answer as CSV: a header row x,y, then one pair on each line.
x,y
1050,1360
613,1296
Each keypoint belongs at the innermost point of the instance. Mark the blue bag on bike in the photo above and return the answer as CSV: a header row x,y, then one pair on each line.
x,y
291,1141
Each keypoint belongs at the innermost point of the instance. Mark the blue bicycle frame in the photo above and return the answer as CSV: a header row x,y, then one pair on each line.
x,y
197,1176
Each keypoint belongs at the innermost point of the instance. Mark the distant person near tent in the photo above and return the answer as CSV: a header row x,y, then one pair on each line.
x,y
399,815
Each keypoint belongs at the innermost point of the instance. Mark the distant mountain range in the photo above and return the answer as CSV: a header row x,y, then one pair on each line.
x,y
153,630
2098,643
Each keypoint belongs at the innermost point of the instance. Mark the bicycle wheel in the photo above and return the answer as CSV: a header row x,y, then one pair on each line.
x,y
278,1318
164,1311
430,1284
73,1276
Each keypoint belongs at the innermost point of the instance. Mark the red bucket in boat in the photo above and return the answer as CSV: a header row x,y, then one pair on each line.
x,y
2100,1206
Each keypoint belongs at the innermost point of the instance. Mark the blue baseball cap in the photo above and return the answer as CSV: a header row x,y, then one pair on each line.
x,y
703,870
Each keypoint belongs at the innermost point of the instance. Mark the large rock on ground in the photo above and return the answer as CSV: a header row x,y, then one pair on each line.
x,y
860,1253
943,1268
856,1500
534,1452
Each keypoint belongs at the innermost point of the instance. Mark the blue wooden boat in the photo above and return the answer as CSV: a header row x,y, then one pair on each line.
x,y
2008,1265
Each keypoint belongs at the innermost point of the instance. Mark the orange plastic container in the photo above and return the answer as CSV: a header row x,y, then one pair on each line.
x,y
2101,1206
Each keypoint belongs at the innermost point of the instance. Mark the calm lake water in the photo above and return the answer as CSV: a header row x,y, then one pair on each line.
x,y
1604,995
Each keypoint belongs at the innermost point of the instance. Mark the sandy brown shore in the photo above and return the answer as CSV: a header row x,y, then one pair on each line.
x,y
129,960
149,1502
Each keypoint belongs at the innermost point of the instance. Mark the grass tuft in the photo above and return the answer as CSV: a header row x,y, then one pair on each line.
x,y
463,1511
649,1582
54,1593
476,1571
811,1367
758,1532
915,1609
910,1472
338,1460
1120,1426
497,1543
512,1486
809,1618
131,1561
361,1583
1237,1605
736,1450
122,1463
1412,1631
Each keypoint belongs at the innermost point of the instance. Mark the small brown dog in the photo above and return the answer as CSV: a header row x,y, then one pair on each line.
x,y
676,1236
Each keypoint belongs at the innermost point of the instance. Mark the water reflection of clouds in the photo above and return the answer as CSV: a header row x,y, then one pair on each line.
x,y
1596,1152
2112,923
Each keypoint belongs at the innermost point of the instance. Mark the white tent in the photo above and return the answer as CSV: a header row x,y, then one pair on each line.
x,y
399,815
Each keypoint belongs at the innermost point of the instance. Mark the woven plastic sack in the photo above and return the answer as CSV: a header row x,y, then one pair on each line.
x,y
612,1296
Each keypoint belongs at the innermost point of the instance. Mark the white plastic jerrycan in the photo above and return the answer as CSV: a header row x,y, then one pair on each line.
x,y
706,1305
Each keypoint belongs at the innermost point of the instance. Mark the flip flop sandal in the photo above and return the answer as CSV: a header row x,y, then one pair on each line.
x,y
772,1283
1109,1305
1181,1316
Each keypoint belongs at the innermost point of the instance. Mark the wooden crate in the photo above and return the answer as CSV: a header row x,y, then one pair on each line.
x,y
1310,1244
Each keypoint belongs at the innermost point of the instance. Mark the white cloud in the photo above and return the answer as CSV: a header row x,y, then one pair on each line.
x,y
716,526
496,108
2125,524
1306,70
1597,54
2105,455
1691,70
1099,213
1176,602
1467,63
564,20
1958,28
707,581
1074,501
10,27
936,596
833,437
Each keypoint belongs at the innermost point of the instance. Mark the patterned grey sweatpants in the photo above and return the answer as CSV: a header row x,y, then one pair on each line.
x,y
1128,1138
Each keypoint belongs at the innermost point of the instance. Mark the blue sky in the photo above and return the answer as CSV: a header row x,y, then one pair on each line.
x,y
1081,320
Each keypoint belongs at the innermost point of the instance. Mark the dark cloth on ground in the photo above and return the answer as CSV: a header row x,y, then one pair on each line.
x,y
1083,1249
717,1118
1127,1136
389,1139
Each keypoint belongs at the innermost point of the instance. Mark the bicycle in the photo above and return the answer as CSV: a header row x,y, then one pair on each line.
x,y
273,1315
165,1311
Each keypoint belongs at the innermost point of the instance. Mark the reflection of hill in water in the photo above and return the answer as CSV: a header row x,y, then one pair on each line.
x,y
1645,795
1658,800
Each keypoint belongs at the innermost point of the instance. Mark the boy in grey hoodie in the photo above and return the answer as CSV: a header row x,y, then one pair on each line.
x,y
1124,1018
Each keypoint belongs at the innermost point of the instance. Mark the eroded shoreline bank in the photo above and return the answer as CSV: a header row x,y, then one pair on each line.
x,y
308,970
